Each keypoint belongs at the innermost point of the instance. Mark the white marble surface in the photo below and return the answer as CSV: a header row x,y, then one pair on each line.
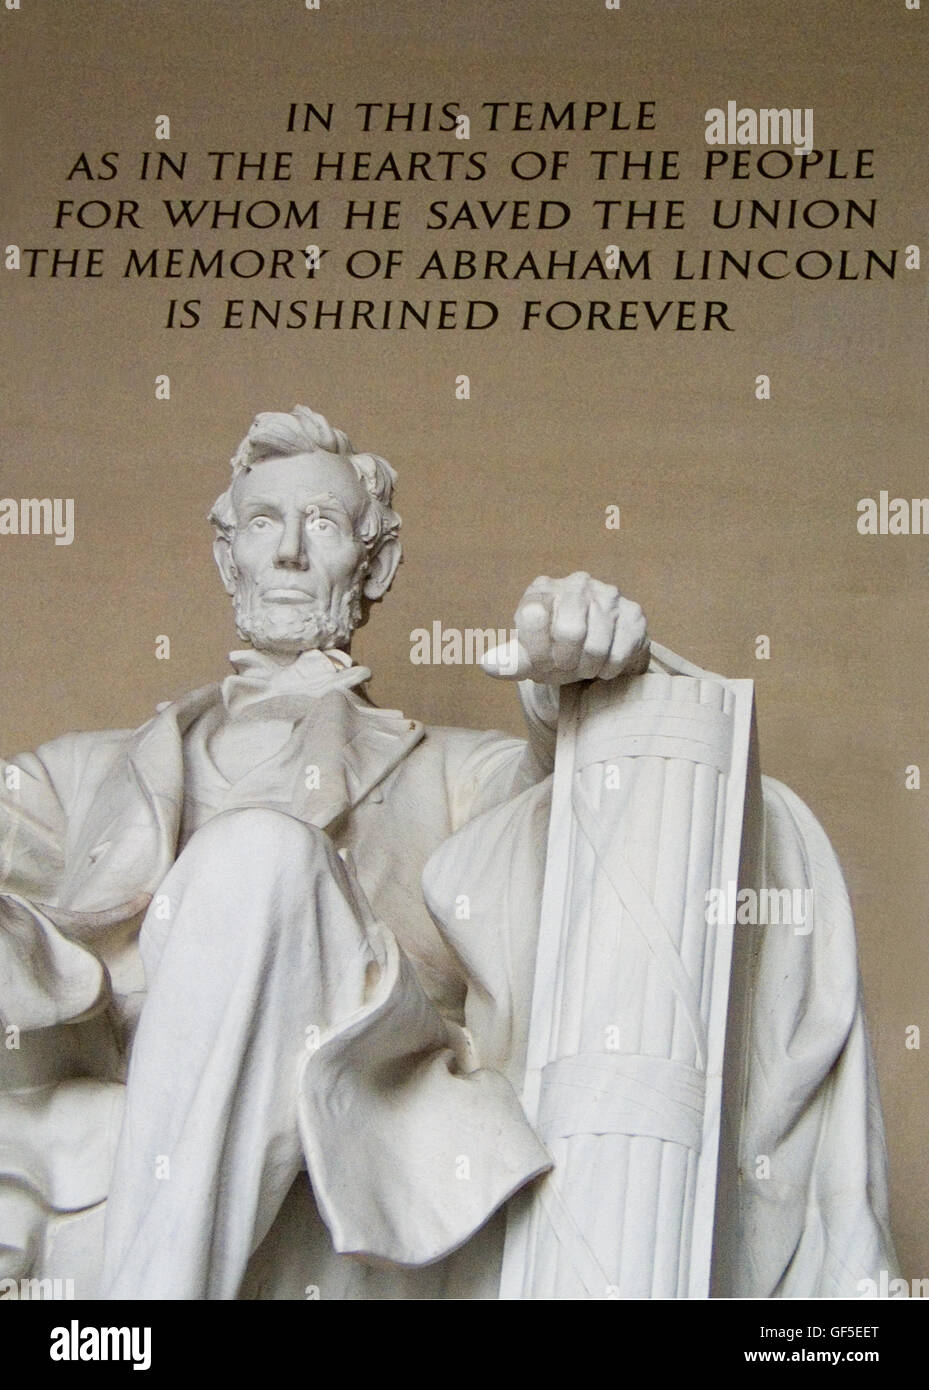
x,y
241,927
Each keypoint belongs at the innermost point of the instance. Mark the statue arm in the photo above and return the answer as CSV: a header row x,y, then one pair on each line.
x,y
45,978
32,829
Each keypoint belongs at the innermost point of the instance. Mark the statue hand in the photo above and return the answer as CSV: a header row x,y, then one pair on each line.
x,y
573,629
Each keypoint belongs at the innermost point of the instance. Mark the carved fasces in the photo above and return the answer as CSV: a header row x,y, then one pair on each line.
x,y
624,1069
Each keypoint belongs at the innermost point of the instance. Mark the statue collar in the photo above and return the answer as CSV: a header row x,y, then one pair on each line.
x,y
263,687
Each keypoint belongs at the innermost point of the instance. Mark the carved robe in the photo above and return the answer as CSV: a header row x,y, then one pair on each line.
x,y
89,834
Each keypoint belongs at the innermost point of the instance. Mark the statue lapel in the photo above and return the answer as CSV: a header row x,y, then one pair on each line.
x,y
349,747
129,838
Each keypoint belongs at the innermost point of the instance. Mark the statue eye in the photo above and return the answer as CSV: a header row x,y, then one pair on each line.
x,y
259,523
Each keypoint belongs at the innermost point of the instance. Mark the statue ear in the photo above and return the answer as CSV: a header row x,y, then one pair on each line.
x,y
222,554
382,568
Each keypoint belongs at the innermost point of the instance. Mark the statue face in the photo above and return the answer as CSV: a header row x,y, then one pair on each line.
x,y
297,569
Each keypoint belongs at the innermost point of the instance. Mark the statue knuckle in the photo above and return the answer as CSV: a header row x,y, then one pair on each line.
x,y
567,628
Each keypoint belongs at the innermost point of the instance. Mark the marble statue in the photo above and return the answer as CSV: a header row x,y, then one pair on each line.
x,y
279,1019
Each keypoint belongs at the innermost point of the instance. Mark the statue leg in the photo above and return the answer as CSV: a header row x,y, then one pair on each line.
x,y
256,944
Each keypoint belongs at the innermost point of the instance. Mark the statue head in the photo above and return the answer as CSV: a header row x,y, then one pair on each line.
x,y
305,536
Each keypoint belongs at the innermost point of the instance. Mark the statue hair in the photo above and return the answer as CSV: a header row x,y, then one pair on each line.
x,y
276,434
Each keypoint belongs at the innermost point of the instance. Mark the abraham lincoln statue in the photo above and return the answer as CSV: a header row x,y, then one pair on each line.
x,y
253,1048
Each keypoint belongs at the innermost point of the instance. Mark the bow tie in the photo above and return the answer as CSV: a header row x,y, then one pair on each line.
x,y
259,679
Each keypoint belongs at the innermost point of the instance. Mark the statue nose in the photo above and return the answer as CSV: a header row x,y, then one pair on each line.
x,y
297,560
292,548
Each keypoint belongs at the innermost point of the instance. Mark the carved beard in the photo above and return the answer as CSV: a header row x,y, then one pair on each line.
x,y
286,629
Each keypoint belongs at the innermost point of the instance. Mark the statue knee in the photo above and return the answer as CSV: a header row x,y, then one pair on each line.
x,y
261,870
248,836
254,850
